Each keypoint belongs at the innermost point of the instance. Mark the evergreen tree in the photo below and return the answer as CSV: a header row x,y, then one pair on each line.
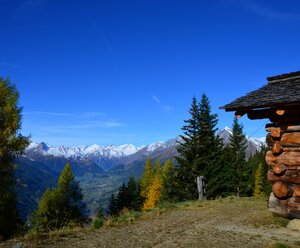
x,y
186,171
168,175
112,206
199,150
240,169
133,194
220,184
100,212
61,206
209,147
122,198
12,144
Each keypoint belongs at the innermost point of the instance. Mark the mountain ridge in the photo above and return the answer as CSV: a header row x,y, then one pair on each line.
x,y
119,154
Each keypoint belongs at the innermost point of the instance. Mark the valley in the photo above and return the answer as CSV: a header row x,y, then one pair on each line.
x,y
99,170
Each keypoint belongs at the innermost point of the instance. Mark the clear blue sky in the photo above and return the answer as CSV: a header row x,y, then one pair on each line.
x,y
114,72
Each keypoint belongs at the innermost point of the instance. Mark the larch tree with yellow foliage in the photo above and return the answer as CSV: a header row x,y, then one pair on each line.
x,y
158,183
258,185
147,178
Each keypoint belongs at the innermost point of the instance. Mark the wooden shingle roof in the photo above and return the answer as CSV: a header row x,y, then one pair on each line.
x,y
282,90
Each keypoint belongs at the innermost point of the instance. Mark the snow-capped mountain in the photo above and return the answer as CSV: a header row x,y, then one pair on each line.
x,y
253,144
82,151
107,157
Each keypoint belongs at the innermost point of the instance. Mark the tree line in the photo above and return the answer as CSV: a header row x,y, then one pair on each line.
x,y
200,152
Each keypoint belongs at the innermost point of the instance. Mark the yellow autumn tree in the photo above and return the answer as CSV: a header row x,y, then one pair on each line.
x,y
152,193
147,178
258,186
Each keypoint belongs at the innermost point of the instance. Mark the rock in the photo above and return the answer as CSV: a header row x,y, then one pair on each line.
x,y
294,224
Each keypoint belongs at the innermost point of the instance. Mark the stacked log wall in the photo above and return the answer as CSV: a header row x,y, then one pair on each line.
x,y
284,173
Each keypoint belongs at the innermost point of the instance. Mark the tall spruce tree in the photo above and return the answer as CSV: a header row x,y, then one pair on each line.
x,y
133,194
112,206
186,171
168,190
199,150
12,144
240,169
122,198
209,147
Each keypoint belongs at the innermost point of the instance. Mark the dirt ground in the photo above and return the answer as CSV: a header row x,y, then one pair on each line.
x,y
230,222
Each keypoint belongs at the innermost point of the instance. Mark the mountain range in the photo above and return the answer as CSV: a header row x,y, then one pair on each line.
x,y
100,170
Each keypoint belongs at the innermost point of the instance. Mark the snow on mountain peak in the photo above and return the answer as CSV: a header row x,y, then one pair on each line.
x,y
82,151
152,147
121,151
228,129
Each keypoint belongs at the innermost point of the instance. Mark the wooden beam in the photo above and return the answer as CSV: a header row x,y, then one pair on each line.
x,y
276,132
296,190
277,148
281,190
279,169
239,114
280,111
285,158
291,176
260,114
286,140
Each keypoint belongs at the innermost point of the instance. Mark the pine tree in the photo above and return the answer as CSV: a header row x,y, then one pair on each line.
x,y
209,147
122,198
12,144
186,171
258,187
168,192
133,194
61,206
240,169
99,212
220,184
199,150
112,206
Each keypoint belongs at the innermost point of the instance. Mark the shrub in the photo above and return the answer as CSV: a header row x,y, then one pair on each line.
x,y
98,223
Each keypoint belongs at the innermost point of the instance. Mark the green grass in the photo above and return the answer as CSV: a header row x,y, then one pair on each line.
x,y
280,245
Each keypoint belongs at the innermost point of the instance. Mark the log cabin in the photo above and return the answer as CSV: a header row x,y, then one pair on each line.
x,y
278,101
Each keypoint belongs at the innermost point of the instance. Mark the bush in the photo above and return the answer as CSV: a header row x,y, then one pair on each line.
x,y
98,223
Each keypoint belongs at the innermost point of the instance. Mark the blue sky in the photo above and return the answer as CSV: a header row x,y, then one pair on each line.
x,y
115,72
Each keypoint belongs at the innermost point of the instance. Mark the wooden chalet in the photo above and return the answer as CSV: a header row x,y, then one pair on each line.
x,y
278,101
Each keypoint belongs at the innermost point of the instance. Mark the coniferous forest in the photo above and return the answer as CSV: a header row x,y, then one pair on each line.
x,y
201,152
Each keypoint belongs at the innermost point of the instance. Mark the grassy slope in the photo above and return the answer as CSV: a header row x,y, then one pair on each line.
x,y
230,222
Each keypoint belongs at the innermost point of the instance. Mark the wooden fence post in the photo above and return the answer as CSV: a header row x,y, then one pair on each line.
x,y
201,187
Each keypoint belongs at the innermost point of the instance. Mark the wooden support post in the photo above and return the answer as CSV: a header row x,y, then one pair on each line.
x,y
201,187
